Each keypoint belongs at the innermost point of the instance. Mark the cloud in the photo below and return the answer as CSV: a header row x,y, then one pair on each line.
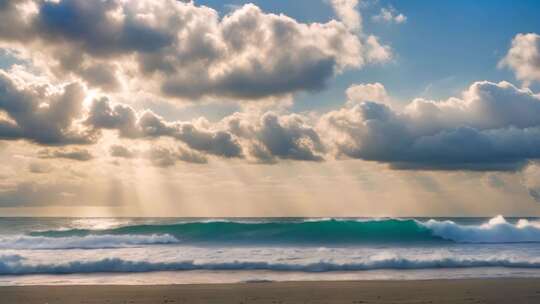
x,y
123,152
130,124
263,137
367,92
103,115
493,126
97,30
164,157
389,15
377,52
102,76
51,116
278,56
73,154
347,11
523,58
187,51
217,142
12,13
41,113
160,156
274,136
190,156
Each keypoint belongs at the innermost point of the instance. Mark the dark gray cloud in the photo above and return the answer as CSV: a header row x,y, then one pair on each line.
x,y
493,127
28,118
278,136
119,117
255,82
290,137
90,25
73,154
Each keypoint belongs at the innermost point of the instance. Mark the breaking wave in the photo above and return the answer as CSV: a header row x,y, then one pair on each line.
x,y
323,231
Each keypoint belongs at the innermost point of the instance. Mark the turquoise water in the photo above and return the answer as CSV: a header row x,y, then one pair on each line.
x,y
272,231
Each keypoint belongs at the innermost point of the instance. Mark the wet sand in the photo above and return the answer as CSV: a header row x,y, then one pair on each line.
x,y
503,291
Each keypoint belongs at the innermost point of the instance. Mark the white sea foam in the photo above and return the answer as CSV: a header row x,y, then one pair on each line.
x,y
83,242
496,230
17,265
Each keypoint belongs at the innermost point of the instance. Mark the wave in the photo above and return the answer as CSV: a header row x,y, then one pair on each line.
x,y
16,265
84,242
279,232
324,231
496,230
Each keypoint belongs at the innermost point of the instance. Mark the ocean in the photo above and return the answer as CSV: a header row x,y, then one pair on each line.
x,y
66,251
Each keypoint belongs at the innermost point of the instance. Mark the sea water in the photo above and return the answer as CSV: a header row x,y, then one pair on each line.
x,y
179,250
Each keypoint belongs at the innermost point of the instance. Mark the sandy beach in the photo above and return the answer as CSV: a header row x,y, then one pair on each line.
x,y
494,291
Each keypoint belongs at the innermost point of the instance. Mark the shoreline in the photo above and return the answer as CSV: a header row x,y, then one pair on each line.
x,y
503,291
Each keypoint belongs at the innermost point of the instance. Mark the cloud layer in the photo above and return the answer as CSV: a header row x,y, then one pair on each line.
x,y
184,50
492,126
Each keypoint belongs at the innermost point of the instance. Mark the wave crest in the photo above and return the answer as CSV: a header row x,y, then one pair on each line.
x,y
496,230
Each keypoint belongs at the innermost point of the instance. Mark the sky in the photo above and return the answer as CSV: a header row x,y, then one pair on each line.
x,y
269,108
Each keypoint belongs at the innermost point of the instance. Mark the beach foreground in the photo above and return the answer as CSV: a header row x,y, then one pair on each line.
x,y
495,291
